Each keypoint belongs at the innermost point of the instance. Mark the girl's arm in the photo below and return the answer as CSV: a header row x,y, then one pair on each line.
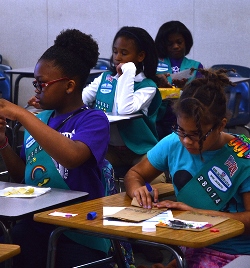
x,y
128,100
241,216
67,152
10,158
89,92
135,179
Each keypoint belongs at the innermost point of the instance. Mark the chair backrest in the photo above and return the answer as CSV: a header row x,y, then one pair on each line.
x,y
108,178
102,64
241,70
5,90
238,96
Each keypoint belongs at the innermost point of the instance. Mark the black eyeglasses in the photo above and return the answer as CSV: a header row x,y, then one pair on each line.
x,y
194,137
40,86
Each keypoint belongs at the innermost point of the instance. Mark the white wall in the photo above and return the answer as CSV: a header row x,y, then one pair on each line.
x,y
220,28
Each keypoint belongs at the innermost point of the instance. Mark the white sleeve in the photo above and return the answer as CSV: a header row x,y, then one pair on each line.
x,y
89,92
128,100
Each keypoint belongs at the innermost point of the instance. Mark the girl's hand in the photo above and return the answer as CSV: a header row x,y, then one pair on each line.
x,y
163,81
179,83
174,205
33,102
144,198
119,69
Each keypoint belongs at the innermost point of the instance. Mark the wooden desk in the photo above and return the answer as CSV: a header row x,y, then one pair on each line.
x,y
29,73
8,251
163,237
165,189
13,209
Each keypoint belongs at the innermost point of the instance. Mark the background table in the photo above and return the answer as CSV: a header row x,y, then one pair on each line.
x,y
163,237
29,73
12,208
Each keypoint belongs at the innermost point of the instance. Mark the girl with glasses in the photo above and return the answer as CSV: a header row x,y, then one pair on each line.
x,y
210,168
64,146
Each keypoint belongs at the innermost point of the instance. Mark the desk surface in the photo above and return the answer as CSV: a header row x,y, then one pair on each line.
x,y
14,208
116,118
227,229
8,250
30,71
239,79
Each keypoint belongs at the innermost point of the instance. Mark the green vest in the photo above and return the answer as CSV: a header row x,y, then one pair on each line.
x,y
40,169
140,134
186,64
220,178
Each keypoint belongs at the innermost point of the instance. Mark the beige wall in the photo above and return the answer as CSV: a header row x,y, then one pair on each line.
x,y
220,28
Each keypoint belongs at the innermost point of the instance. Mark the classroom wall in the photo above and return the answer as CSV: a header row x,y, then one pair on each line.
x,y
29,27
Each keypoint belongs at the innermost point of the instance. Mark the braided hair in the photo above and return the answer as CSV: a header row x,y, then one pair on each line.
x,y
74,53
204,99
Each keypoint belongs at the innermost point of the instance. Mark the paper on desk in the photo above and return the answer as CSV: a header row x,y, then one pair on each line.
x,y
164,216
181,75
26,191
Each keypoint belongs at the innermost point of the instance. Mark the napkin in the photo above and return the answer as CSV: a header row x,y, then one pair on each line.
x,y
26,191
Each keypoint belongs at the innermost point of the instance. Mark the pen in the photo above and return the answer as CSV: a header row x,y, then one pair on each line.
x,y
150,189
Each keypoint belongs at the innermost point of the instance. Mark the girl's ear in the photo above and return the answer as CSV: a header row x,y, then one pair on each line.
x,y
70,86
223,124
141,56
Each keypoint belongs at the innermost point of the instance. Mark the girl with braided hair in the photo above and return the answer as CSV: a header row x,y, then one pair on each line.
x,y
197,154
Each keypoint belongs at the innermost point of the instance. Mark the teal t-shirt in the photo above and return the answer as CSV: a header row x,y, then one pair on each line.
x,y
170,154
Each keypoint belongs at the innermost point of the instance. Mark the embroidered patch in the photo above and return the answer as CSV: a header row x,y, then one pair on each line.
x,y
241,146
106,88
232,165
219,178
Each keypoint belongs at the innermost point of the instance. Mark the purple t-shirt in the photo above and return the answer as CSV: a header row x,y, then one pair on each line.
x,y
92,128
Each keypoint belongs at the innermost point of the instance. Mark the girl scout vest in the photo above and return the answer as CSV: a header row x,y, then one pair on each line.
x,y
40,169
164,66
140,134
218,181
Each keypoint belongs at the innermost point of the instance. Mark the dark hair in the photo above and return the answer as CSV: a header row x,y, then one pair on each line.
x,y
204,99
143,42
74,53
172,27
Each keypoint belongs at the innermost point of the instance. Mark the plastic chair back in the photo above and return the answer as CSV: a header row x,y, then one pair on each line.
x,y
102,64
5,90
238,96
243,71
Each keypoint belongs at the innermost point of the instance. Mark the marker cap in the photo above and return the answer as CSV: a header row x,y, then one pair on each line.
x,y
91,215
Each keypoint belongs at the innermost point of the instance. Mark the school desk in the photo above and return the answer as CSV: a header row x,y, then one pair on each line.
x,y
164,238
29,73
8,251
13,208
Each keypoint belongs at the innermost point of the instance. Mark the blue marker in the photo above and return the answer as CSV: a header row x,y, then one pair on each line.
x,y
150,189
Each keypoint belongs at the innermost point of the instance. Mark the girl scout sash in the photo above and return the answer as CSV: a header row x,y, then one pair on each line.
x,y
218,181
164,66
139,144
40,169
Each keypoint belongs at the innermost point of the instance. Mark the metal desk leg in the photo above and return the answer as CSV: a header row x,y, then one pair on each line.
x,y
51,257
175,250
8,240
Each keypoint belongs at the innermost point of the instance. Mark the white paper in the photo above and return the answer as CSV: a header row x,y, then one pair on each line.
x,y
181,75
165,216
37,191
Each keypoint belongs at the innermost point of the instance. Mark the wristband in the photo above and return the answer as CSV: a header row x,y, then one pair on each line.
x,y
5,144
